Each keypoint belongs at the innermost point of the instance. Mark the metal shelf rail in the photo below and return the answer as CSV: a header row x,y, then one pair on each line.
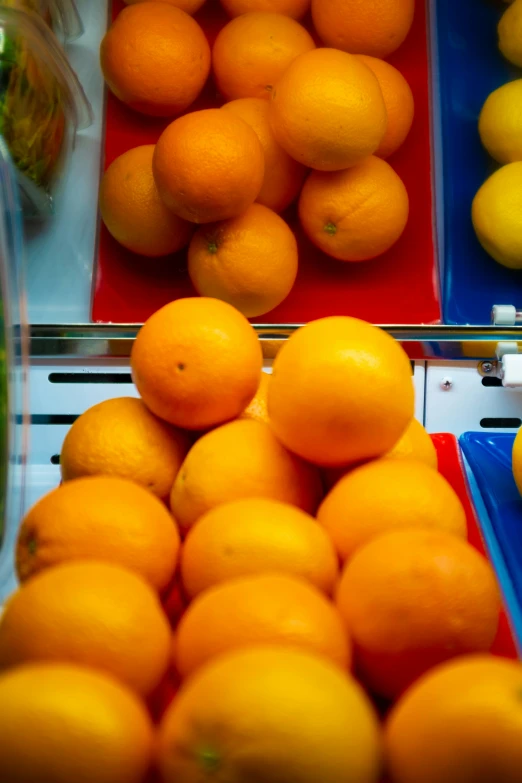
x,y
421,342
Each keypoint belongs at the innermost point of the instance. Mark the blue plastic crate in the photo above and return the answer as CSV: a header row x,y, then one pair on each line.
x,y
467,67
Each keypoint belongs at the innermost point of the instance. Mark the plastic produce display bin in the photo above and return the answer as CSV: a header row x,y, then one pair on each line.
x,y
469,66
42,104
451,467
437,272
442,163
398,287
443,155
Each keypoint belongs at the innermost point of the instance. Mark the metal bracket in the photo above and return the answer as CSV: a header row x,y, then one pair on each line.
x,y
488,369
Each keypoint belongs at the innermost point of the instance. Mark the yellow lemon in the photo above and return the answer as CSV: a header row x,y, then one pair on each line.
x,y
500,123
497,215
510,33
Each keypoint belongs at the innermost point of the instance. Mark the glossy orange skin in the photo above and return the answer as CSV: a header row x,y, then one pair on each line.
x,y
208,165
341,392
253,51
373,27
249,261
327,110
267,608
284,176
197,363
413,599
242,459
356,214
133,211
155,58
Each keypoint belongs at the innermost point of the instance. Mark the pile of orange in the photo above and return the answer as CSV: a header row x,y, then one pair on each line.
x,y
305,117
193,540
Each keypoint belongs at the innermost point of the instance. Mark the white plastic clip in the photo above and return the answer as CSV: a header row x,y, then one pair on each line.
x,y
511,364
504,315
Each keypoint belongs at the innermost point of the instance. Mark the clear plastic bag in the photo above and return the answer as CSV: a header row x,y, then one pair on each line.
x,y
61,15
65,19
42,105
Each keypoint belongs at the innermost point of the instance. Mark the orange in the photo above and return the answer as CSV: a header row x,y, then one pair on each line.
x,y
63,723
155,58
131,208
341,392
374,27
208,165
471,730
104,518
253,536
415,443
189,6
270,714
261,609
413,599
398,99
284,176
242,459
257,408
327,110
293,8
121,437
253,51
91,613
196,362
356,214
249,261
385,495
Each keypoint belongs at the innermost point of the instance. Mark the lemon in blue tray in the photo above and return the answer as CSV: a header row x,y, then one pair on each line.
x,y
510,33
500,123
497,215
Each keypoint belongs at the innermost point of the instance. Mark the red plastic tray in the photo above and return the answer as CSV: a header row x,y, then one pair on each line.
x,y
451,467
398,287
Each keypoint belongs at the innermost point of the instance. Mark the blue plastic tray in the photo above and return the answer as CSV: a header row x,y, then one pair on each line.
x,y
469,66
499,507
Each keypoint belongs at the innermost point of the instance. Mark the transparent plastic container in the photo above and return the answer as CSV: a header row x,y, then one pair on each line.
x,y
42,105
61,15
65,19
13,370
